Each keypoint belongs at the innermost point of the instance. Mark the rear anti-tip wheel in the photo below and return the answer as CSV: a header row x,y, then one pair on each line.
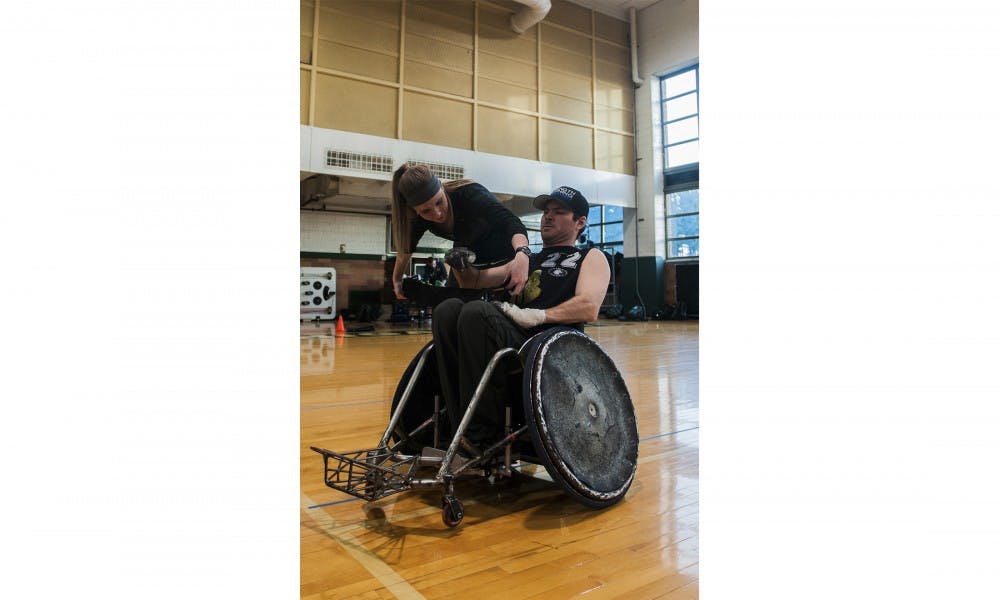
x,y
452,510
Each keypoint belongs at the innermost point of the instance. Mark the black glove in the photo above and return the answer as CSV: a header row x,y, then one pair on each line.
x,y
460,258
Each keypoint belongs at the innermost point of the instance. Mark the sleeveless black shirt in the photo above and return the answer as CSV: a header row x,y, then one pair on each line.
x,y
555,272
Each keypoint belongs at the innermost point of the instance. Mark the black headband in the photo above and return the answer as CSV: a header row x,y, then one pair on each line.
x,y
418,196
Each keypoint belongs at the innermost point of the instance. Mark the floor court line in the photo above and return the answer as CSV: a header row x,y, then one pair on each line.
x,y
659,435
366,558
325,406
374,564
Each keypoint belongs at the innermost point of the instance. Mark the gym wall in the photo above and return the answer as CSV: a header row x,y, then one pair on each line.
x,y
669,34
357,275
336,232
453,73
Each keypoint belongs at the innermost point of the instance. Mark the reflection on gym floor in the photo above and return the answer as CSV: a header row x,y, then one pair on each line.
x,y
520,538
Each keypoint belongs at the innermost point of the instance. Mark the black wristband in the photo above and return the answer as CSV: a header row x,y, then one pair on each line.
x,y
526,250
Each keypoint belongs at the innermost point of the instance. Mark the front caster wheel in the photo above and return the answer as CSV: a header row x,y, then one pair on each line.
x,y
452,510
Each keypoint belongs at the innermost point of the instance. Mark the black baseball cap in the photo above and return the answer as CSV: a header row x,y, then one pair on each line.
x,y
568,197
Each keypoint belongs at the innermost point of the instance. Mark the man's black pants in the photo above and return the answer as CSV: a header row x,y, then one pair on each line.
x,y
466,336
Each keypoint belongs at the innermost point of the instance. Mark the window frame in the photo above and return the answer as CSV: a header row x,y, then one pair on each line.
x,y
684,177
603,244
666,144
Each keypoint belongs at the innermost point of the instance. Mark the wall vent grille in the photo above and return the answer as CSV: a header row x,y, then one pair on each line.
x,y
442,170
359,161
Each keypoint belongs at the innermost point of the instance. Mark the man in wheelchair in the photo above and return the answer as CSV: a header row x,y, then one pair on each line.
x,y
572,414
566,286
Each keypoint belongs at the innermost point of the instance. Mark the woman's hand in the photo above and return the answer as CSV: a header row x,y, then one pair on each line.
x,y
397,287
518,273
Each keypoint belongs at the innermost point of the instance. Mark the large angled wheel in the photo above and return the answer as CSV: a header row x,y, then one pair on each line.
x,y
582,421
420,406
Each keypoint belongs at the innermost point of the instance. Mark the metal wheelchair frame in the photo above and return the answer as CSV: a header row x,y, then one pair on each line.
x,y
375,473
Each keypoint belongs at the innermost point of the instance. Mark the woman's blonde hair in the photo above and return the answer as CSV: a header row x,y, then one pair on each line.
x,y
405,180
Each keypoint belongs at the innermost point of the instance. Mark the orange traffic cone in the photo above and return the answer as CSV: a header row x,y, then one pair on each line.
x,y
340,325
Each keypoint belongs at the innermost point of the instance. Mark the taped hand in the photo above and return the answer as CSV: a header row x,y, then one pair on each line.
x,y
460,258
525,317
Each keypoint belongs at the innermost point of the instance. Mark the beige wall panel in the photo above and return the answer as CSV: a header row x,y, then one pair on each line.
x,y
566,40
619,75
355,106
557,82
306,18
303,96
438,79
613,97
383,11
355,31
509,5
499,22
515,96
306,10
441,24
567,108
570,62
614,86
438,52
456,8
616,55
496,67
614,153
507,133
614,118
566,144
305,49
357,61
508,46
437,120
611,28
570,15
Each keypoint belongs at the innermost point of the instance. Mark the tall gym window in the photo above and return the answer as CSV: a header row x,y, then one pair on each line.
x,y
679,115
605,229
679,118
682,224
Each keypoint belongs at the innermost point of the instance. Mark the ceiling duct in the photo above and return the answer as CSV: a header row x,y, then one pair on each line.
x,y
316,188
530,14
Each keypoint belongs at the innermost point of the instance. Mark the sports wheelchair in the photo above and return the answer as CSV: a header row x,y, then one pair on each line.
x,y
569,411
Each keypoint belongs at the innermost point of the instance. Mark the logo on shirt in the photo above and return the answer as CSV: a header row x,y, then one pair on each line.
x,y
557,272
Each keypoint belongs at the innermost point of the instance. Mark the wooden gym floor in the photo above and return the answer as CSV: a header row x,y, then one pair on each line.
x,y
519,539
